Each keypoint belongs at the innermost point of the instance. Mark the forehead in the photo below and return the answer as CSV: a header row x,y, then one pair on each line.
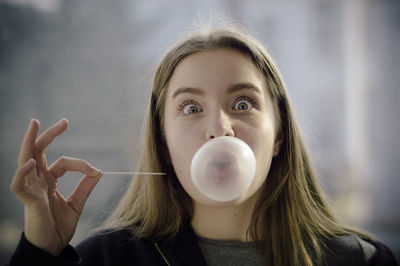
x,y
215,68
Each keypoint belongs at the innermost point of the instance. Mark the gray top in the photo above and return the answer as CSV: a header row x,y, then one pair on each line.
x,y
227,252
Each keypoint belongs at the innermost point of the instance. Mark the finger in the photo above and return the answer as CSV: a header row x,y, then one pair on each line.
x,y
28,143
64,164
49,135
18,183
82,191
41,162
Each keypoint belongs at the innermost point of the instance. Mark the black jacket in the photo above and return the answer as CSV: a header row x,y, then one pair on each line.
x,y
120,248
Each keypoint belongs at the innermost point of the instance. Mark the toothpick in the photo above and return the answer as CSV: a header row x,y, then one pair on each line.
x,y
131,173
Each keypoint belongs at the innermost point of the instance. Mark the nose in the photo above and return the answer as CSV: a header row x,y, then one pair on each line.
x,y
219,125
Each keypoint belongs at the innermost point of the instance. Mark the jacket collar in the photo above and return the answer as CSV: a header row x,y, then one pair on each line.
x,y
184,249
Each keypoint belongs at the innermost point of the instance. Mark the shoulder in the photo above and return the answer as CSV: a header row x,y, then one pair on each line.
x,y
353,250
115,247
106,237
383,255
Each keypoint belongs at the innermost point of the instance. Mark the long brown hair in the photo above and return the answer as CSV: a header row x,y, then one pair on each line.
x,y
295,216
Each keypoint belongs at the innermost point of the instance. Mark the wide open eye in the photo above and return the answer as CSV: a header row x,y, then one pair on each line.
x,y
243,103
190,108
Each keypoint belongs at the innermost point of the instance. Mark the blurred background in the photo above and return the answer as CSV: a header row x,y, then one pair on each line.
x,y
92,61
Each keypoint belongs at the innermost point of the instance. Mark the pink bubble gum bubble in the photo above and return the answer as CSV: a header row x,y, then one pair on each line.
x,y
223,168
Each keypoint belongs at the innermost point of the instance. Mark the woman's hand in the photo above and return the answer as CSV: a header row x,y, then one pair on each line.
x,y
50,219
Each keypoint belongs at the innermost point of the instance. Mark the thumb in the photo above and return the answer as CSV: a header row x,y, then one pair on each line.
x,y
82,191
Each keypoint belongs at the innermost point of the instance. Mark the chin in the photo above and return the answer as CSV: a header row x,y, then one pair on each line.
x,y
221,204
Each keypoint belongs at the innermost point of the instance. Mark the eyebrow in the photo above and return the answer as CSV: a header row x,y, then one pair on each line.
x,y
241,86
191,90
231,89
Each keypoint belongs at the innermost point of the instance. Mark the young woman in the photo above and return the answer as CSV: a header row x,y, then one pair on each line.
x,y
217,83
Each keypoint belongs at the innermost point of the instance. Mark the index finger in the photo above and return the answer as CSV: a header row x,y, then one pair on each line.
x,y
28,143
49,135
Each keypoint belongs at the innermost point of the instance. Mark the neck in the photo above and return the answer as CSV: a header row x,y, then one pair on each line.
x,y
228,223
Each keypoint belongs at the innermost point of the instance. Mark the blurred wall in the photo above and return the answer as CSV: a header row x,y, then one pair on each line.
x,y
92,62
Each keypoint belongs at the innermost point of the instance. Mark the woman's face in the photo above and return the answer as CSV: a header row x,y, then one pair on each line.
x,y
218,93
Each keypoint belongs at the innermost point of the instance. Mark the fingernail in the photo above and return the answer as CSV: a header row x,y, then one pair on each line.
x,y
96,172
31,121
63,119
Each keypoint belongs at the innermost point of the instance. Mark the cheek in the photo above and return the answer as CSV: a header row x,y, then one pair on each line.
x,y
264,159
181,160
262,142
183,140
181,149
